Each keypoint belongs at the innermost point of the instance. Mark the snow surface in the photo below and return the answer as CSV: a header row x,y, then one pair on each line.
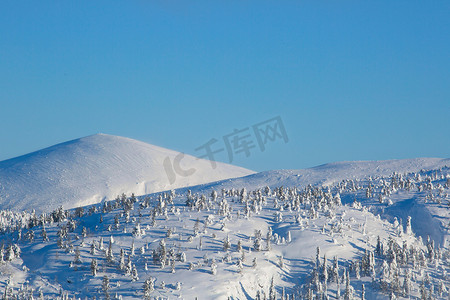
x,y
95,168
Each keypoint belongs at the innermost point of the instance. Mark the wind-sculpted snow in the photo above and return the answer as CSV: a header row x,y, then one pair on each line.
x,y
96,168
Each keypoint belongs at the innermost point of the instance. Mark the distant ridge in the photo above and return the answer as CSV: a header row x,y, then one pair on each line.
x,y
329,174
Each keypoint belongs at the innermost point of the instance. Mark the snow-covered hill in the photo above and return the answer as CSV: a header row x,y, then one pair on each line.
x,y
98,167
328,174
283,243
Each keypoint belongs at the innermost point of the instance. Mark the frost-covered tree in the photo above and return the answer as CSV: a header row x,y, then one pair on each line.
x,y
109,253
408,226
134,274
94,267
240,265
132,249
213,268
77,259
226,243
269,239
257,240
106,287
122,259
348,289
272,291
10,254
149,287
92,251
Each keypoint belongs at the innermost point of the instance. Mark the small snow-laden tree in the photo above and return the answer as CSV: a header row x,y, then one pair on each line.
x,y
197,227
337,200
395,281
278,217
138,231
385,276
257,240
129,266
407,284
379,248
134,274
338,291
100,244
172,266
357,270
243,195
109,254
267,191
182,257
84,232
363,292
335,270
269,239
324,270
77,259
214,196
239,246
226,243
44,235
30,235
272,291
10,255
348,289
213,267
408,226
317,264
149,287
240,265
94,267
122,259
132,249
92,251
106,287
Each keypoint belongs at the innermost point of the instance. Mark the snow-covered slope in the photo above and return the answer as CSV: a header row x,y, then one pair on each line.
x,y
383,237
308,243
329,174
97,167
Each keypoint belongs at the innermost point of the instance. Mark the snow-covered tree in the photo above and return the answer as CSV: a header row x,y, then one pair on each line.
x,y
105,286
94,267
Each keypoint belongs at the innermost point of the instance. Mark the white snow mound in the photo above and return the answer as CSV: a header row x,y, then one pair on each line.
x,y
90,169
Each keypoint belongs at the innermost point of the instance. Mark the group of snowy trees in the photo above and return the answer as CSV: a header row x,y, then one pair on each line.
x,y
393,266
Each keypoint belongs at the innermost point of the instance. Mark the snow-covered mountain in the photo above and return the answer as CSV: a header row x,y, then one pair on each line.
x,y
99,167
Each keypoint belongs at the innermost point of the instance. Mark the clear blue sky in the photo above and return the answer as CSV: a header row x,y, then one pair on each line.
x,y
351,80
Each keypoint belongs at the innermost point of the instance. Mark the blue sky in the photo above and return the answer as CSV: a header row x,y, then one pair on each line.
x,y
351,80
